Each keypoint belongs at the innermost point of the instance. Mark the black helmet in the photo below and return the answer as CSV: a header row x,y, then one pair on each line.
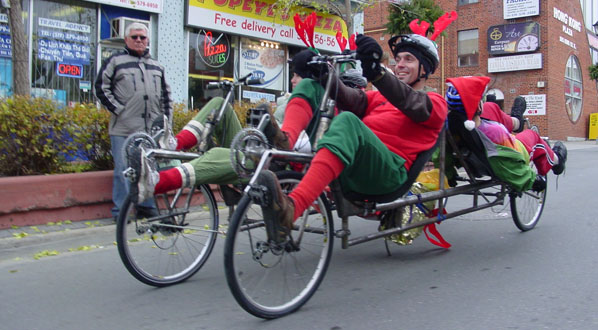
x,y
424,49
299,63
353,78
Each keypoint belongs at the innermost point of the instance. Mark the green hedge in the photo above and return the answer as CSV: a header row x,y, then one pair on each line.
x,y
37,136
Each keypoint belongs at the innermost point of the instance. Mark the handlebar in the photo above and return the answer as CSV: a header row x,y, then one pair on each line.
x,y
245,80
345,57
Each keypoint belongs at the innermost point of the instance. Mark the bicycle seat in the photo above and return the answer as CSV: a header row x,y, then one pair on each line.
x,y
412,174
471,144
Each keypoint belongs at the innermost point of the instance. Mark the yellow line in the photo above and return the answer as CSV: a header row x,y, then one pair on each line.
x,y
206,77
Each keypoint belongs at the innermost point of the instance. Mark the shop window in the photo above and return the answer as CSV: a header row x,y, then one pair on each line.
x,y
573,89
211,58
468,52
64,44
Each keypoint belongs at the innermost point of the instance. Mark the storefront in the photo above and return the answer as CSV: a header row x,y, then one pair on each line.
x,y
232,39
67,41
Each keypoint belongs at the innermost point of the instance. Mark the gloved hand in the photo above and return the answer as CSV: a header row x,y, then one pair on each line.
x,y
369,53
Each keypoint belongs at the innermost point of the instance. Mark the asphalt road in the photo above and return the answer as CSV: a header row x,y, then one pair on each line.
x,y
494,277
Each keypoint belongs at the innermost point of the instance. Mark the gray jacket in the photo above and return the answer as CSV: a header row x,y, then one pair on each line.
x,y
133,88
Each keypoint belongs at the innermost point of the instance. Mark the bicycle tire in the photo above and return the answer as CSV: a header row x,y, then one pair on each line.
x,y
167,250
535,129
259,276
527,207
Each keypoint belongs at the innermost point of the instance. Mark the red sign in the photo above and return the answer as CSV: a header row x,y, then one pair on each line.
x,y
69,70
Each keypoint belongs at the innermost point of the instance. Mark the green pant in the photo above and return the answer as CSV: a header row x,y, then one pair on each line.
x,y
370,167
214,166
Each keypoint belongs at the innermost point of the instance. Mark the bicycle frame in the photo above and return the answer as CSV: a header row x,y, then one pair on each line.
x,y
481,199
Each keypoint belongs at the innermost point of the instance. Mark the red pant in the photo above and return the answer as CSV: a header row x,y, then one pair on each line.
x,y
539,151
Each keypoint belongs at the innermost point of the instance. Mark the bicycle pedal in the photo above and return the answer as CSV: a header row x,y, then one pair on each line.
x,y
258,195
130,174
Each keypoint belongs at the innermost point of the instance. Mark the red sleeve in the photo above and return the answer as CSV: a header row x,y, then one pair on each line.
x,y
296,118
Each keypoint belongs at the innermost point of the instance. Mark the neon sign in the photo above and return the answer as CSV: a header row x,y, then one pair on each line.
x,y
213,48
69,70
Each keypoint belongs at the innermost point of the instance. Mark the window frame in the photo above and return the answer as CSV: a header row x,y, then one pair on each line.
x,y
473,59
573,77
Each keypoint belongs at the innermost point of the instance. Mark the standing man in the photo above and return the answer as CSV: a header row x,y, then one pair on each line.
x,y
132,86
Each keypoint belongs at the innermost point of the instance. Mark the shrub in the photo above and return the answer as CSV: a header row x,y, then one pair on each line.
x,y
29,142
37,136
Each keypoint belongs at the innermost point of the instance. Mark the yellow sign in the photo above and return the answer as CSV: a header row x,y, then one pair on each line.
x,y
593,131
258,18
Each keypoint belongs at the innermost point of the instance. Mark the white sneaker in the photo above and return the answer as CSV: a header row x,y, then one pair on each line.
x,y
146,178
162,132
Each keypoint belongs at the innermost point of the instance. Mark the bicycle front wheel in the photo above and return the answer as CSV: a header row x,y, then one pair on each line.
x,y
527,207
170,247
272,281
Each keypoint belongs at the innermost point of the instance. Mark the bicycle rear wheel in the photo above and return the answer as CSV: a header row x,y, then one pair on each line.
x,y
168,248
527,207
270,281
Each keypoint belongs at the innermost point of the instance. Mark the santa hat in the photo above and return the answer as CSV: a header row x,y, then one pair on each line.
x,y
464,95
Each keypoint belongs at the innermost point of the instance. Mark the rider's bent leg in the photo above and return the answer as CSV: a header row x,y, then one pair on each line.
x,y
213,167
540,152
224,131
369,166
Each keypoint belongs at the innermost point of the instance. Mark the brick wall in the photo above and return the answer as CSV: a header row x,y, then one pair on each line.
x,y
555,124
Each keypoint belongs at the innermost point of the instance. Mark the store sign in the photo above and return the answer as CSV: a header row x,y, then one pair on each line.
x,y
513,38
213,48
62,41
257,19
535,104
593,40
515,63
258,96
5,45
569,25
520,8
153,6
263,62
69,70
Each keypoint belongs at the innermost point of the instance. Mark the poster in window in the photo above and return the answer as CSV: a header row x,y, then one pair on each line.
x,y
263,62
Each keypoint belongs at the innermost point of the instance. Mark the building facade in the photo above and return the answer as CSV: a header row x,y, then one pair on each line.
x,y
539,49
196,41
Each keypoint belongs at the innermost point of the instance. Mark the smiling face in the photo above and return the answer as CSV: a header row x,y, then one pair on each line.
x,y
137,41
407,68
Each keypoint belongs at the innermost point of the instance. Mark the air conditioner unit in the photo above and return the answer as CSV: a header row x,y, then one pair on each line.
x,y
118,26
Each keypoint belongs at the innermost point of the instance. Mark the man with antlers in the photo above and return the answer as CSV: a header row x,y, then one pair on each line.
x,y
371,147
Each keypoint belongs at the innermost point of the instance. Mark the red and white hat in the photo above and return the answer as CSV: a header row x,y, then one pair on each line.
x,y
464,94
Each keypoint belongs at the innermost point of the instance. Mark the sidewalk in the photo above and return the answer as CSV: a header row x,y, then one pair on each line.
x,y
35,235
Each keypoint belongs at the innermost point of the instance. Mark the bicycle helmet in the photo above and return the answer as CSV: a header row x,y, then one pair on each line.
x,y
353,78
424,49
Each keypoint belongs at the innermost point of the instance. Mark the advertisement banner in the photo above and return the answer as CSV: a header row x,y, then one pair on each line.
x,y
515,63
520,8
257,19
263,62
62,41
535,105
152,6
513,38
5,47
